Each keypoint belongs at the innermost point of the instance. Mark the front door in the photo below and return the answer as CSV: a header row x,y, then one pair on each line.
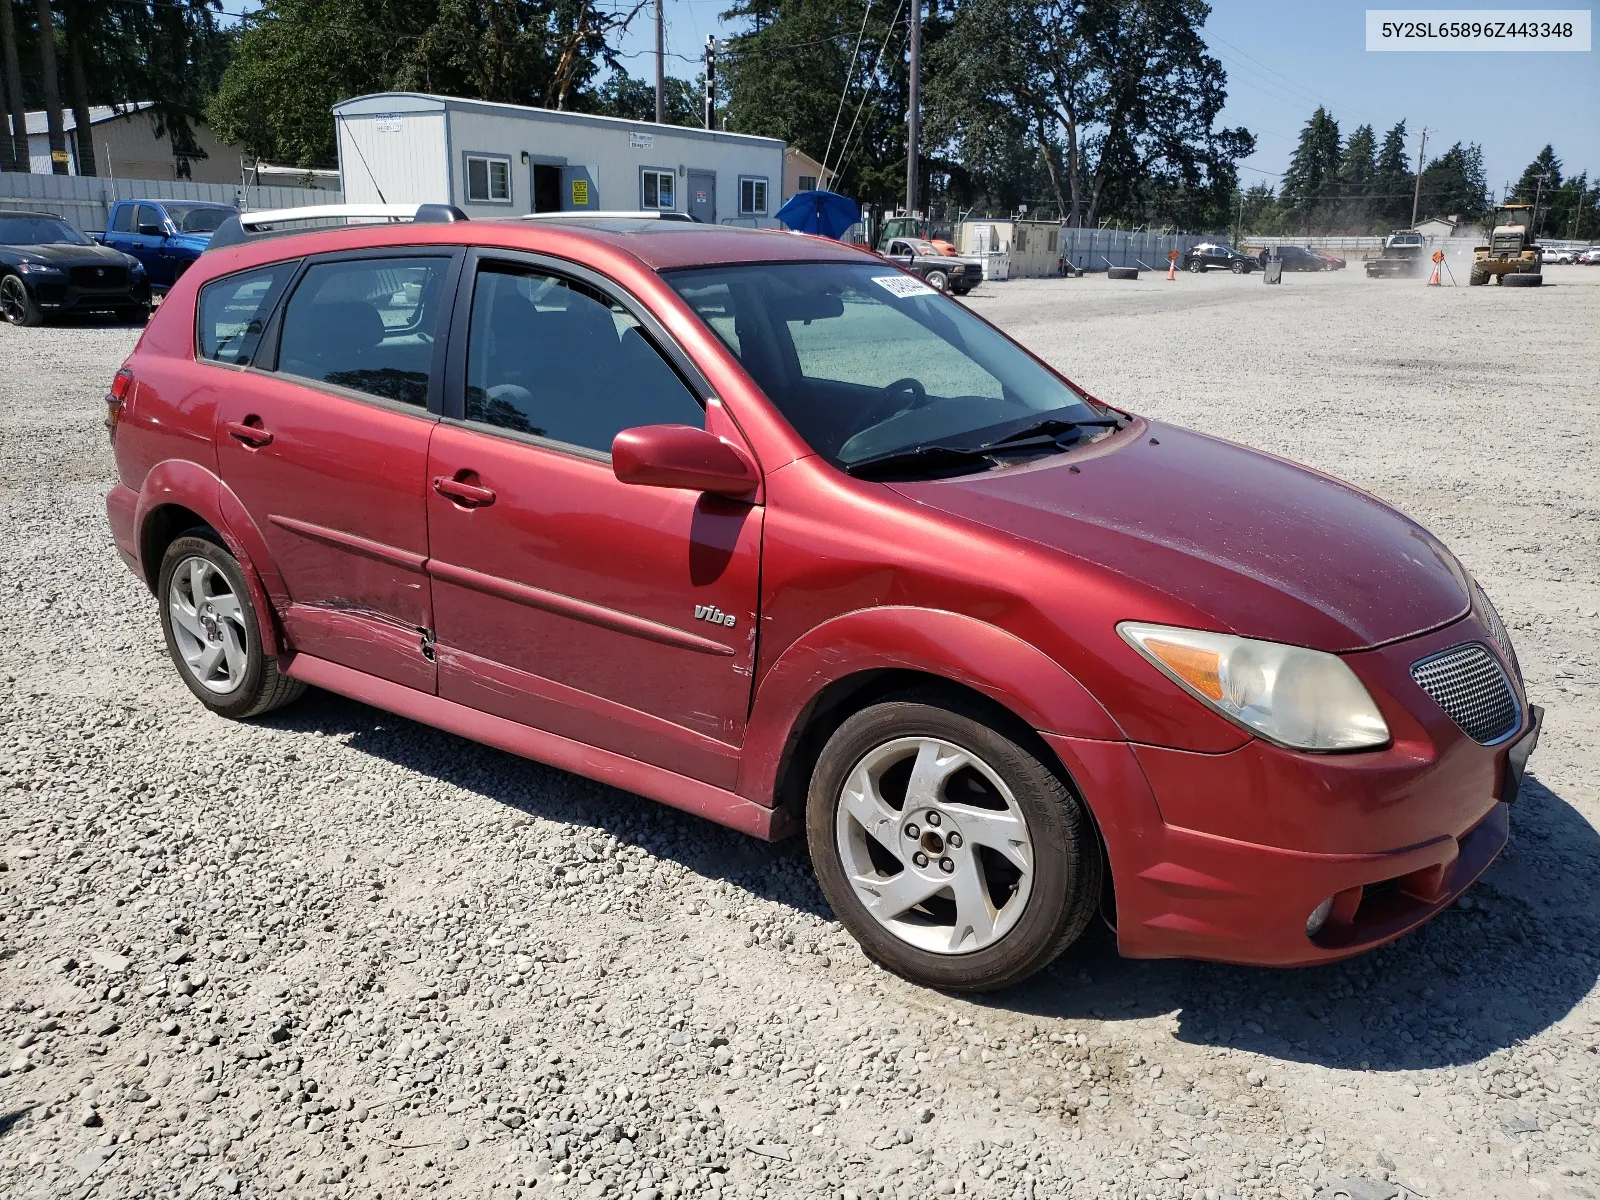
x,y
623,617
703,196
329,454
546,187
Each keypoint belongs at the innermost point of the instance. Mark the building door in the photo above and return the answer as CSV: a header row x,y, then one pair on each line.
x,y
703,196
546,187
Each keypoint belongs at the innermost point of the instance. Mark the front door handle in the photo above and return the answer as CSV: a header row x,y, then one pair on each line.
x,y
469,494
251,435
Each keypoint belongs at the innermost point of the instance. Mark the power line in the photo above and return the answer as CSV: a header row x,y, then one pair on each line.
x,y
844,92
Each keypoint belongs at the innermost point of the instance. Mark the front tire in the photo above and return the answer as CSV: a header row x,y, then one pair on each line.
x,y
17,306
1238,268
212,631
954,855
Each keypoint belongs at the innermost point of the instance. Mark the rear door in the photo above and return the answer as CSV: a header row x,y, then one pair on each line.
x,y
327,449
620,616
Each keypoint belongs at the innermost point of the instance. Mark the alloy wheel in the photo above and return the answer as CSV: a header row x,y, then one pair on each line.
x,y
13,300
208,625
935,845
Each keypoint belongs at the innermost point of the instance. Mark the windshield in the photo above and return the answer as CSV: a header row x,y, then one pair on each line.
x,y
198,218
38,231
865,361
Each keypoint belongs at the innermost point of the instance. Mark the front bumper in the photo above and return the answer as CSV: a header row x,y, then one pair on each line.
x,y
1225,856
54,297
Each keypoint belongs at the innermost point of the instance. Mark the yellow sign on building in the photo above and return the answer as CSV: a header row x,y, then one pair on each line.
x,y
580,193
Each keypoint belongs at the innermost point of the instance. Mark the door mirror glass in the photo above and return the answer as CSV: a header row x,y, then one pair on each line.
x,y
681,456
152,231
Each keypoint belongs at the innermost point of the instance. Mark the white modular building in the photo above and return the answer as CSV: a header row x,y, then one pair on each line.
x,y
505,160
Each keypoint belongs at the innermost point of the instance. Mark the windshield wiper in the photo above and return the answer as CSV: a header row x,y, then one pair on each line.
x,y
934,457
1051,433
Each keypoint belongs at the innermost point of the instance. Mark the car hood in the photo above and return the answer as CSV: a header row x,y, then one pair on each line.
x,y
197,242
1251,543
62,255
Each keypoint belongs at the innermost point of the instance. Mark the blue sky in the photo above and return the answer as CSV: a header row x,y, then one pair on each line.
x,y
1284,57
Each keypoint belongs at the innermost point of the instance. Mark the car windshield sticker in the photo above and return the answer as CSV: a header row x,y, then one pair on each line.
x,y
902,285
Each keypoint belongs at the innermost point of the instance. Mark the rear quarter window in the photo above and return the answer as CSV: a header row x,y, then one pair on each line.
x,y
232,313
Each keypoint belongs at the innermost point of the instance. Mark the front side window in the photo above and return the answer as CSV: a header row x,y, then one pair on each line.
x,y
752,196
554,358
367,325
659,190
865,362
233,311
150,218
198,218
488,179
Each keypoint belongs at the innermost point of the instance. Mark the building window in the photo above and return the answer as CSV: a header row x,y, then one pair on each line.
x,y
660,190
488,179
808,183
752,197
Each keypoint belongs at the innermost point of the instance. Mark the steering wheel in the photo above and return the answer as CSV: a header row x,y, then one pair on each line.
x,y
919,394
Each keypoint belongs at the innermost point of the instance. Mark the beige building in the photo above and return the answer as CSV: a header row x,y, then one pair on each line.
x,y
126,147
802,173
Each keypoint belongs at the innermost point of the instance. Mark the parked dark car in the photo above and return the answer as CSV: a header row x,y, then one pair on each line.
x,y
938,270
1208,256
1300,258
48,267
165,235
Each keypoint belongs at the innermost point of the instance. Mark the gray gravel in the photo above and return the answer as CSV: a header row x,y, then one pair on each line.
x,y
332,953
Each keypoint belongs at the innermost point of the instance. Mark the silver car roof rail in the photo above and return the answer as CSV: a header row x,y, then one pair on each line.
x,y
579,214
276,222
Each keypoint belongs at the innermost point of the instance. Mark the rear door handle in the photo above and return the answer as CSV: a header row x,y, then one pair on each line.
x,y
469,494
250,435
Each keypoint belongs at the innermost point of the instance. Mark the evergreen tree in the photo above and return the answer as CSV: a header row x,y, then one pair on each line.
x,y
1453,185
1391,194
1311,184
1358,174
1540,179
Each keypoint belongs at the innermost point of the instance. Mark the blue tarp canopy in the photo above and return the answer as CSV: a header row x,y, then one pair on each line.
x,y
827,213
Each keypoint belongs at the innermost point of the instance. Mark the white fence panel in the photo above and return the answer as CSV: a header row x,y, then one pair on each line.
x,y
85,200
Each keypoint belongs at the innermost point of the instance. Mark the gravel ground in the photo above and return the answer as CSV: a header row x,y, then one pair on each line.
x,y
332,953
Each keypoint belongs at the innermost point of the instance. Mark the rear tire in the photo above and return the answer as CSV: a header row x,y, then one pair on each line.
x,y
1477,278
939,281
1195,267
1047,879
212,631
17,306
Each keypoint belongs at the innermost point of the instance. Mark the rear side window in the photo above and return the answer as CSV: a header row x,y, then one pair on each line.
x,y
367,325
124,220
233,311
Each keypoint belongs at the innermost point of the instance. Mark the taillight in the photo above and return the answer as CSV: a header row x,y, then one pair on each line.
x,y
121,388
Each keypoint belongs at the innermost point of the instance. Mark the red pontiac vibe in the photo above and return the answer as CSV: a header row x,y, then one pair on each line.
x,y
756,525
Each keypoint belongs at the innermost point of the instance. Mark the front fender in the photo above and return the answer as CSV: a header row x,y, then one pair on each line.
x,y
947,645
189,485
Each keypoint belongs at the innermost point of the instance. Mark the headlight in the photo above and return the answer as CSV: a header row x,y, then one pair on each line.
x,y
33,268
1289,695
135,267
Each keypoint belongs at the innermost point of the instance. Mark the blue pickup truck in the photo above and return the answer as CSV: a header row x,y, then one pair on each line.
x,y
165,235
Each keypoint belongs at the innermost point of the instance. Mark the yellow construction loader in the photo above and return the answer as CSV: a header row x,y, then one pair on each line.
x,y
1512,255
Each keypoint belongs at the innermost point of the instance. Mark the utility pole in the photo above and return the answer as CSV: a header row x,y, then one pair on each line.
x,y
1416,195
913,108
1538,190
1238,228
711,82
661,59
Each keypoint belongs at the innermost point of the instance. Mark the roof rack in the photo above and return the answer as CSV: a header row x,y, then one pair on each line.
x,y
579,214
276,222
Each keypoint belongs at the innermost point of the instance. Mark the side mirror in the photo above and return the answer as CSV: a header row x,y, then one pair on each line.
x,y
681,456
152,231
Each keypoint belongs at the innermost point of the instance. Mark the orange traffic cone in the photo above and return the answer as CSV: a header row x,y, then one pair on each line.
x,y
1172,269
1434,281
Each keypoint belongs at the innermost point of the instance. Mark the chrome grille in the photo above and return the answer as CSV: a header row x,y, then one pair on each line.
x,y
1497,630
1473,690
